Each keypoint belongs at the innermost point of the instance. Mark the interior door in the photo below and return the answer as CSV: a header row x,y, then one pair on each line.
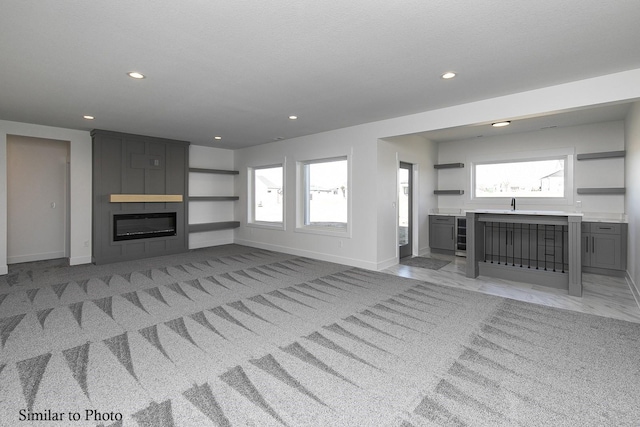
x,y
405,208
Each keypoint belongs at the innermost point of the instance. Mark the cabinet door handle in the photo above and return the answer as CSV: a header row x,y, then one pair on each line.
x,y
593,244
586,241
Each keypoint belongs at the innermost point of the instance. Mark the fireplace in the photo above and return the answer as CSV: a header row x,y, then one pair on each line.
x,y
143,225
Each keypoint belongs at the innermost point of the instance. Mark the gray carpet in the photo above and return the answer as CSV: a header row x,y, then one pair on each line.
x,y
236,336
424,262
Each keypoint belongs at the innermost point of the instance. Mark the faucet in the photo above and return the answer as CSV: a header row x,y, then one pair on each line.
x,y
513,203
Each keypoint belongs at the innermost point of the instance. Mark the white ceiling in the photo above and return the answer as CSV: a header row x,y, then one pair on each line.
x,y
239,68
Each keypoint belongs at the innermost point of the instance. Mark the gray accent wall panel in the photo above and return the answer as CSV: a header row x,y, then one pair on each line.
x,y
136,164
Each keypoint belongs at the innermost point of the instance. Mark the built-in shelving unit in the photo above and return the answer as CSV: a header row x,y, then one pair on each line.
x,y
449,166
448,192
213,226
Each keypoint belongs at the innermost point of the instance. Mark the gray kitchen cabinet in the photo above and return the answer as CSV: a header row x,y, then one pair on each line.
x,y
604,248
442,233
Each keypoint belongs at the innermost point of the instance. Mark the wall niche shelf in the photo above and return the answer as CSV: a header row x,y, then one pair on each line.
x,y
213,226
448,192
602,155
212,198
219,225
619,190
449,166
214,171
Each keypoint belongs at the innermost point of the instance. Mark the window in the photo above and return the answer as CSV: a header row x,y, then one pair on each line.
x,y
532,178
268,195
325,193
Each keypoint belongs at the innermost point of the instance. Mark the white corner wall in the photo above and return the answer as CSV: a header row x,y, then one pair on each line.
x,y
632,179
204,184
80,195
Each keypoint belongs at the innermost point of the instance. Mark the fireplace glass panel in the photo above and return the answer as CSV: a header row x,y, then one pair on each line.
x,y
143,226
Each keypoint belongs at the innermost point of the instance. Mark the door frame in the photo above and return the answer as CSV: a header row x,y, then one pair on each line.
x,y
405,250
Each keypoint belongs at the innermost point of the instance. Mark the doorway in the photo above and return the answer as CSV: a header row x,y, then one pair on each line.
x,y
405,209
37,199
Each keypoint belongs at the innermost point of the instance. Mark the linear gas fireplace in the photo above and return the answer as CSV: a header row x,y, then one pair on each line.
x,y
143,225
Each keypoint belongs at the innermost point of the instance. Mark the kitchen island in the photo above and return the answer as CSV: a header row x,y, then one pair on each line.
x,y
541,247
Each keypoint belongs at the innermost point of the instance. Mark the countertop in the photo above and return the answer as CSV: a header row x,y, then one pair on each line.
x,y
586,216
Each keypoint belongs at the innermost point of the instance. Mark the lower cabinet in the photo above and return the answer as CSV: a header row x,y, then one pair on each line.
x,y
604,248
442,233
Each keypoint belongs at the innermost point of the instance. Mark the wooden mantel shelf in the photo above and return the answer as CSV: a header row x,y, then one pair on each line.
x,y
145,198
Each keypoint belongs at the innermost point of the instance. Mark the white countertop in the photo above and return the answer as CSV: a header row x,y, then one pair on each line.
x,y
586,216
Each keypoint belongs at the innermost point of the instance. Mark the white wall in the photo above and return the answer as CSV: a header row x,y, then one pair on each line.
x,y
359,247
80,191
423,155
597,137
36,199
204,184
632,178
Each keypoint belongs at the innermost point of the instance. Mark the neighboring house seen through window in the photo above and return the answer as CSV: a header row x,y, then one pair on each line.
x,y
532,178
326,192
268,195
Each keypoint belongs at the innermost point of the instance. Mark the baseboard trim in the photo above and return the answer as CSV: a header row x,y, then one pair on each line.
x,y
634,288
35,257
4,269
310,254
386,264
79,260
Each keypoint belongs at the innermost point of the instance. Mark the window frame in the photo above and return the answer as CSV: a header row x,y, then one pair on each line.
x,y
251,214
559,154
303,199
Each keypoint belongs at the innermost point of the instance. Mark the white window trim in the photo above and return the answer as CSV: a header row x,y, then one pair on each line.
x,y
567,153
301,227
251,221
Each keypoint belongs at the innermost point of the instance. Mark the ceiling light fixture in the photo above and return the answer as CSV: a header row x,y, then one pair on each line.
x,y
448,75
293,117
135,75
501,124
88,117
217,138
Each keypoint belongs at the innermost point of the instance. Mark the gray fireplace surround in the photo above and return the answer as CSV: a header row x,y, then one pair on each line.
x,y
128,172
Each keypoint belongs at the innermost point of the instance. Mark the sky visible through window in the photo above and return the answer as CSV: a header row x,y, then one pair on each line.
x,y
539,178
327,189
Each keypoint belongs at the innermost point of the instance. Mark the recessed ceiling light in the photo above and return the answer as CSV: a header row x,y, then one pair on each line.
x,y
88,117
135,75
501,124
217,138
293,117
448,75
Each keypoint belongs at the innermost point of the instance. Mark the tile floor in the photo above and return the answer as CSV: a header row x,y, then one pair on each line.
x,y
602,295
